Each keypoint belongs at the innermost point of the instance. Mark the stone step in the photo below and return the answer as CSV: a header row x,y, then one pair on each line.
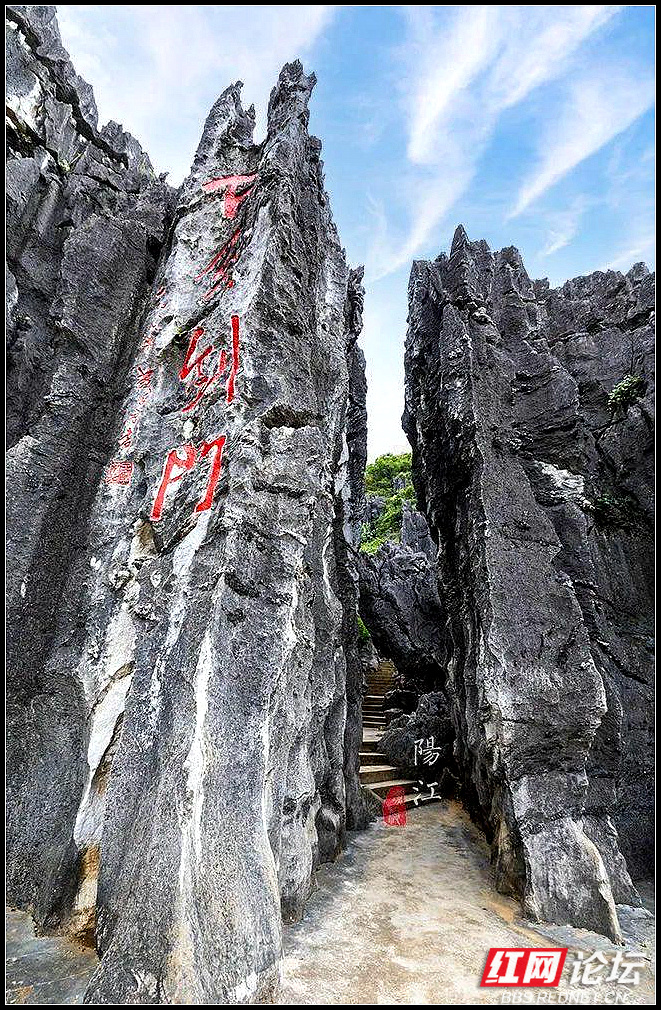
x,y
371,740
372,757
381,788
377,773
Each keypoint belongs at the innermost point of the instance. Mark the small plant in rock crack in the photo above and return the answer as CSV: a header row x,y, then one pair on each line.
x,y
363,633
625,393
611,514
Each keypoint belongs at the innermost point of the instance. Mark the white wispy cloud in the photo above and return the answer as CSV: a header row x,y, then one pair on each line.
x,y
176,60
461,75
640,248
563,225
597,108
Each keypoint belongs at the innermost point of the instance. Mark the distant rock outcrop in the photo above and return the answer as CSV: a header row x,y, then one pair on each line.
x,y
400,605
187,439
529,411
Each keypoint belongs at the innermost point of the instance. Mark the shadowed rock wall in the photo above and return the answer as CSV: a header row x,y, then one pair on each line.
x,y
86,220
539,496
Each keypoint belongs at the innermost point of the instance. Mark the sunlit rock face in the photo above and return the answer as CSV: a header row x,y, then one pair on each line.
x,y
538,492
189,451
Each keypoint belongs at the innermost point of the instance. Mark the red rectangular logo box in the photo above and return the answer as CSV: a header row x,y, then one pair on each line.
x,y
524,966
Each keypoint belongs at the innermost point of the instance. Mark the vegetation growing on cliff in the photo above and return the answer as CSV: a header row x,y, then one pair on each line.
x,y
611,513
625,393
363,632
388,484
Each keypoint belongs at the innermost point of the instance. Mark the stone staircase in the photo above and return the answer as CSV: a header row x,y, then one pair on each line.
x,y
376,774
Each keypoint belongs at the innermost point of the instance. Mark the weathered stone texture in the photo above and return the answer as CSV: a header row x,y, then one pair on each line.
x,y
86,219
547,584
187,704
400,605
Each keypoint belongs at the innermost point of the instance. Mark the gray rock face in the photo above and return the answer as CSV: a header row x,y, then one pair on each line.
x,y
400,605
188,452
422,744
86,221
539,495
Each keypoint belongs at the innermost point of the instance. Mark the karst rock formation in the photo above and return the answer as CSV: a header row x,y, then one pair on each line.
x,y
186,457
529,412
187,439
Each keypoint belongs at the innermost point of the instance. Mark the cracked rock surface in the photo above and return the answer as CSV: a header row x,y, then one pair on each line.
x,y
539,496
86,219
186,466
400,604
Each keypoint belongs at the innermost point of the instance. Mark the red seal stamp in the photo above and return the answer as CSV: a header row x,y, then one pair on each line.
x,y
394,807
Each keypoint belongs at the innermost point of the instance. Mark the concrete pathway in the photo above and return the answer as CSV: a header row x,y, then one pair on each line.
x,y
405,916
408,915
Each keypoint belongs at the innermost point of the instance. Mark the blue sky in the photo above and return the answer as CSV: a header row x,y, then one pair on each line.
x,y
531,125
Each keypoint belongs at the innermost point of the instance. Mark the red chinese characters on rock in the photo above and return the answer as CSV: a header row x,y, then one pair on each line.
x,y
199,369
145,376
394,807
234,190
220,267
205,364
181,461
119,472
148,341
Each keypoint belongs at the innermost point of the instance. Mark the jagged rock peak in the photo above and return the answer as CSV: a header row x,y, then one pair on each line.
x,y
187,408
530,415
228,130
290,97
52,69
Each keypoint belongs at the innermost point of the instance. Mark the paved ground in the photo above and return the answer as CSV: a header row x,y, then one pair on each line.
x,y
44,970
406,916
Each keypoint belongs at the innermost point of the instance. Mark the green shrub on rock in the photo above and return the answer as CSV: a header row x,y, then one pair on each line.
x,y
625,393
388,478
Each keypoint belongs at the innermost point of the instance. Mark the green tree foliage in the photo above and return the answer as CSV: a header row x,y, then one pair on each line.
x,y
380,474
389,478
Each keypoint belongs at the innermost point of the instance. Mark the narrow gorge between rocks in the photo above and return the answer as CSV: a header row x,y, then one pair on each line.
x,y
285,726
